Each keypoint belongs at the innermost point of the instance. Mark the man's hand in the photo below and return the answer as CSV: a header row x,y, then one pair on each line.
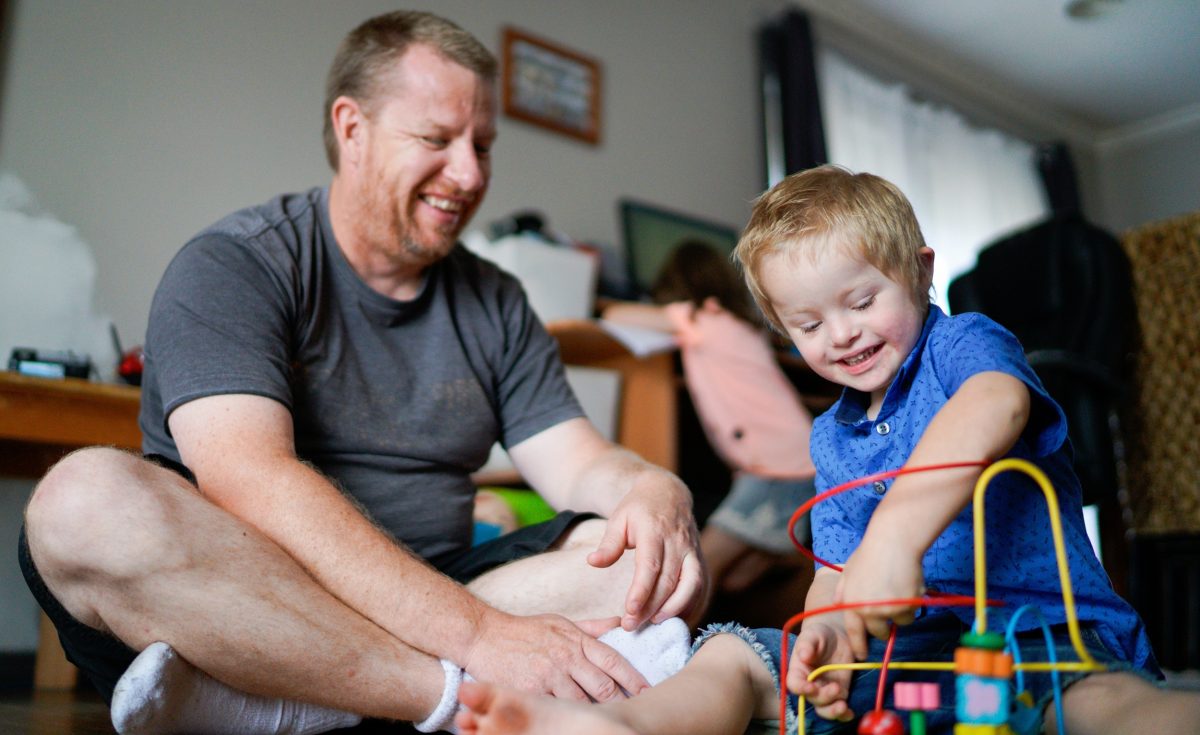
x,y
548,654
876,572
648,509
821,643
655,520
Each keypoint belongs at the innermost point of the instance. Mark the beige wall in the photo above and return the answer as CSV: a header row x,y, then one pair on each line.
x,y
1150,172
141,121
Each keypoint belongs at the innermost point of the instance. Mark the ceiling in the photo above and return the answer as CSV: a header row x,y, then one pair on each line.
x,y
1135,63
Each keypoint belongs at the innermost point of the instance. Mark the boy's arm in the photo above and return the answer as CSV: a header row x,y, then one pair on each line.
x,y
822,641
981,421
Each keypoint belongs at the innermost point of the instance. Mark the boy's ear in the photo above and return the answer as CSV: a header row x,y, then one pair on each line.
x,y
925,255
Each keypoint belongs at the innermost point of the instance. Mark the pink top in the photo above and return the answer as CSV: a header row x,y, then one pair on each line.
x,y
749,409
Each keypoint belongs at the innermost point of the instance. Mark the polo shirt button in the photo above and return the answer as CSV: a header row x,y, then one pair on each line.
x,y
883,429
879,487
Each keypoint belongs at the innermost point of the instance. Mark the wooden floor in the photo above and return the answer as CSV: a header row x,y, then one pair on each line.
x,y
84,713
54,713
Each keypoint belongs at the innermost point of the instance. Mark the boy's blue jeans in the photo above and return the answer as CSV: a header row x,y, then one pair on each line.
x,y
932,637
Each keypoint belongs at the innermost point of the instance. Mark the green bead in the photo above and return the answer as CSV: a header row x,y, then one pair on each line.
x,y
986,640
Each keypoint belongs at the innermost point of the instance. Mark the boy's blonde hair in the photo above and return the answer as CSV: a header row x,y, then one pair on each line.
x,y
830,206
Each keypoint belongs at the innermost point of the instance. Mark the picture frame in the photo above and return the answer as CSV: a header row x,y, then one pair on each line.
x,y
551,86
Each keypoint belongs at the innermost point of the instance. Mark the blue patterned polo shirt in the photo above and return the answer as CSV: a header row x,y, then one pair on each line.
x,y
1021,562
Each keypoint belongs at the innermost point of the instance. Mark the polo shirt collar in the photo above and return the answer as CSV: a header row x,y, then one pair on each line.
x,y
852,408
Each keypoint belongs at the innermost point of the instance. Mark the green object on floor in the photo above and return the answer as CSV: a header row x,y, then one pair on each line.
x,y
527,505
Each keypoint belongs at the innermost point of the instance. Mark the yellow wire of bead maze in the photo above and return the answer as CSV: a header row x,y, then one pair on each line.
x,y
1085,663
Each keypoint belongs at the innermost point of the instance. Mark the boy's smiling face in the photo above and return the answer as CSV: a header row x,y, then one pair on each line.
x,y
852,324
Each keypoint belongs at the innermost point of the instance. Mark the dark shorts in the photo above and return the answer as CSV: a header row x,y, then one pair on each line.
x,y
103,659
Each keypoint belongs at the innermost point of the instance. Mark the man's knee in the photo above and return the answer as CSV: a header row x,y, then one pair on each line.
x,y
92,503
74,489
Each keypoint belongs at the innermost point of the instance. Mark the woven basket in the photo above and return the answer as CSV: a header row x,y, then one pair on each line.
x,y
1162,418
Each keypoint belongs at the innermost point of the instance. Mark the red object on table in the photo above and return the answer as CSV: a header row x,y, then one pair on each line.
x,y
130,367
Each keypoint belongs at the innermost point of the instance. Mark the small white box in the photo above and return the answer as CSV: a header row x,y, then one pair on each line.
x,y
560,281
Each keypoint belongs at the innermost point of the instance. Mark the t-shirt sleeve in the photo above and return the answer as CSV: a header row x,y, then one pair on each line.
x,y
971,344
219,324
532,392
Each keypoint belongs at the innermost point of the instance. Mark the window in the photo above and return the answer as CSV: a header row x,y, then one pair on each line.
x,y
967,185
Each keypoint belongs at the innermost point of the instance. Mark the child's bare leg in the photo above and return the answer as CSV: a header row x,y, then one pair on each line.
x,y
720,689
496,711
1124,704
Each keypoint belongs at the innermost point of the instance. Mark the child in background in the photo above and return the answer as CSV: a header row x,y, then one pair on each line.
x,y
751,413
837,261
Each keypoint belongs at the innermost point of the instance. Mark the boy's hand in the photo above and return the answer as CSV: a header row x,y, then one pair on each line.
x,y
878,571
819,644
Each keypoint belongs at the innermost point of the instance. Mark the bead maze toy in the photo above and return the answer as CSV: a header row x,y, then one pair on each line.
x,y
989,673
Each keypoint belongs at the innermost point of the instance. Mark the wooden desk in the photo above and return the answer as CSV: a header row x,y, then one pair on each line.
x,y
648,408
41,419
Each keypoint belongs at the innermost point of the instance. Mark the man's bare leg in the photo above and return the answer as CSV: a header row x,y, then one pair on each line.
x,y
133,549
560,581
717,693
1124,704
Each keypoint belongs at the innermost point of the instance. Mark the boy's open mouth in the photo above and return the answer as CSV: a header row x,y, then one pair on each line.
x,y
861,357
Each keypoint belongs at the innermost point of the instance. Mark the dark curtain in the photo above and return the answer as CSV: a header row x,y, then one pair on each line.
x,y
788,66
1057,170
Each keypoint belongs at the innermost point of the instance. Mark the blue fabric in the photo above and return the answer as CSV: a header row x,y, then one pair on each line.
x,y
932,638
1022,567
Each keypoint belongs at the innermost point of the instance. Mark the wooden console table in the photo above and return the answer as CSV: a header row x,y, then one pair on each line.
x,y
41,419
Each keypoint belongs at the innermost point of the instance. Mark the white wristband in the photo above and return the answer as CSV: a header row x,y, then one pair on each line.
x,y
442,716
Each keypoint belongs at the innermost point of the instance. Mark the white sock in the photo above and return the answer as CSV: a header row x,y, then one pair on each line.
x,y
657,651
163,693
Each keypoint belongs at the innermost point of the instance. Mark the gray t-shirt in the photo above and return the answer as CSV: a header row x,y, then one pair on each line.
x,y
397,402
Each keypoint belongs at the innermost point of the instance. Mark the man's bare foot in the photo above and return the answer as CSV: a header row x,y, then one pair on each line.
x,y
495,711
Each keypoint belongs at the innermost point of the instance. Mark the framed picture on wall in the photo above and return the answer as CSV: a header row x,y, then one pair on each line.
x,y
548,85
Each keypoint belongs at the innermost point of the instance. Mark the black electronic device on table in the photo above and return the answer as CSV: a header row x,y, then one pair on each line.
x,y
49,363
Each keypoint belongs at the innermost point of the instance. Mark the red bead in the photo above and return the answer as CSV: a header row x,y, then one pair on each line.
x,y
881,722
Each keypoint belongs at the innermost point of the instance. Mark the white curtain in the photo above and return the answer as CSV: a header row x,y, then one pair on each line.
x,y
967,185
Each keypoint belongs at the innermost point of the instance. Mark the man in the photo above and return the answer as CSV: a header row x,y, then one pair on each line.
x,y
329,367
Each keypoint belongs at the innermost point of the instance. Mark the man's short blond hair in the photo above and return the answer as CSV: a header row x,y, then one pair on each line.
x,y
830,206
369,51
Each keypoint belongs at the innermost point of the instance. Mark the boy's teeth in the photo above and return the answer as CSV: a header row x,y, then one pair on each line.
x,y
860,357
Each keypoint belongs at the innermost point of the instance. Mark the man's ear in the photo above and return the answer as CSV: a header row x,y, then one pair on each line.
x,y
349,128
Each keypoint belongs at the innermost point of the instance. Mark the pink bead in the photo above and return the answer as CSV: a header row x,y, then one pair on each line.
x,y
916,695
